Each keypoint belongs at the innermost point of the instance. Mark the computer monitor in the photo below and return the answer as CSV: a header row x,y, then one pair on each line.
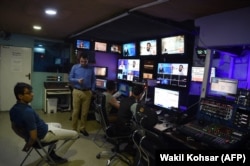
x,y
166,98
124,89
224,88
173,74
101,71
173,45
148,47
129,49
101,83
128,69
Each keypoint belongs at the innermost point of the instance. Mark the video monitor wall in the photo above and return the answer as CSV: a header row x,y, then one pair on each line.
x,y
173,45
128,69
148,47
129,49
174,74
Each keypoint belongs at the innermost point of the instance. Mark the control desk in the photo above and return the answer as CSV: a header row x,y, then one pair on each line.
x,y
59,90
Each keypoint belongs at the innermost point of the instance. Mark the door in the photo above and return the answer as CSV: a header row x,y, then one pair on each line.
x,y
15,66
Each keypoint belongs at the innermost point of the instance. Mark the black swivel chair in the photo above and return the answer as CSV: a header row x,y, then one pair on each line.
x,y
110,134
42,149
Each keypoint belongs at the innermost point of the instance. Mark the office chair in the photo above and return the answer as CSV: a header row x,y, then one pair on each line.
x,y
38,146
110,134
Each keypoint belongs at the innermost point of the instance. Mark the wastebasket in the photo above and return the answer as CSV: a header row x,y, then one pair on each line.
x,y
51,105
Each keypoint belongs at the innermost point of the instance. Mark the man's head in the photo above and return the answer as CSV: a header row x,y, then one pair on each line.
x,y
83,59
180,68
137,90
148,46
111,86
23,92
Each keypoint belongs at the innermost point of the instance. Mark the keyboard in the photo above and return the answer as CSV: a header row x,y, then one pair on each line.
x,y
219,137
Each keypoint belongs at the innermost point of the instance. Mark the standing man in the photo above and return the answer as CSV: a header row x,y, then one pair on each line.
x,y
82,78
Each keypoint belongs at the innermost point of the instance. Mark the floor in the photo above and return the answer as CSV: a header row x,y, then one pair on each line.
x,y
82,152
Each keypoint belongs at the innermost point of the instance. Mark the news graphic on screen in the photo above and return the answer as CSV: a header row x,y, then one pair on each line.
x,y
129,49
101,71
115,48
128,69
197,73
174,74
223,87
148,47
84,44
173,45
101,83
166,98
100,46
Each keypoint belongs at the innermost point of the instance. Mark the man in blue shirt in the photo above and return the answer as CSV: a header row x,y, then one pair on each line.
x,y
27,124
82,78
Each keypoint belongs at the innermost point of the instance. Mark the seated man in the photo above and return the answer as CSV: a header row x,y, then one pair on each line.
x,y
112,105
28,125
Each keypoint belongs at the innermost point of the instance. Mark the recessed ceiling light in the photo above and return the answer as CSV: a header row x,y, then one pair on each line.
x,y
37,27
50,11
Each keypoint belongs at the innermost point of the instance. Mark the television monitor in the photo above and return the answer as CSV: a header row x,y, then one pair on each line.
x,y
201,52
197,73
84,44
100,46
124,89
101,71
173,45
224,88
174,74
128,69
101,83
147,76
129,49
166,98
148,47
115,48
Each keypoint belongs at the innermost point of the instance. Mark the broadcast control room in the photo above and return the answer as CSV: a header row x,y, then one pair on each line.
x,y
179,68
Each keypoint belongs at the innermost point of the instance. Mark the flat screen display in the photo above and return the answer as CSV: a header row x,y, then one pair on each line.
x,y
124,89
84,44
173,45
148,47
101,83
174,74
128,69
129,49
166,98
223,87
147,75
115,48
197,73
101,71
100,46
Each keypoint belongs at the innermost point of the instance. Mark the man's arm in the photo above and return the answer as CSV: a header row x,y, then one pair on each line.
x,y
32,140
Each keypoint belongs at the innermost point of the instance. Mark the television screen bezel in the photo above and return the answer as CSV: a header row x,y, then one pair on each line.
x,y
105,45
87,41
154,45
119,75
101,67
174,53
123,49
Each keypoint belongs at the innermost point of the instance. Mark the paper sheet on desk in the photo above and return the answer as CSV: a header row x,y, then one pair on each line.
x,y
160,127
